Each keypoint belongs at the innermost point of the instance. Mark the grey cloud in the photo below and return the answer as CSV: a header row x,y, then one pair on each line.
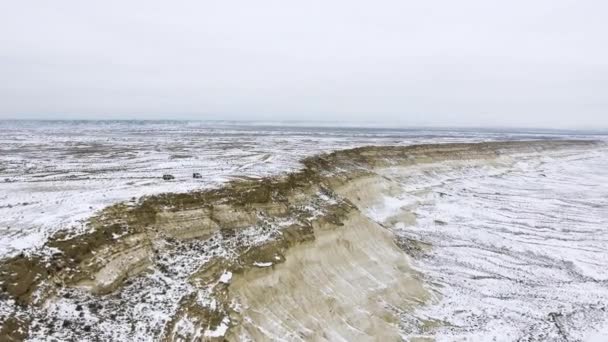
x,y
468,63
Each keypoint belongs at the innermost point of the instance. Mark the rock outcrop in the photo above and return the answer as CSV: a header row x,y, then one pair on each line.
x,y
289,256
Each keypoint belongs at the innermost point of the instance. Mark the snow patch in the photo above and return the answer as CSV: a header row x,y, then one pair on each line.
x,y
220,330
263,264
226,277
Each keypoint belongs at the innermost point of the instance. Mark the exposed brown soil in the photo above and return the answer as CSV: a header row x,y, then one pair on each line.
x,y
96,260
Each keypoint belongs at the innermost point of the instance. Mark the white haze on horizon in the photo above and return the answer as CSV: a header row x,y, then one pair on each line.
x,y
434,63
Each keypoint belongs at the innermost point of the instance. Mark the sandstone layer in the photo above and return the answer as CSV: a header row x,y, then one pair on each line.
x,y
289,257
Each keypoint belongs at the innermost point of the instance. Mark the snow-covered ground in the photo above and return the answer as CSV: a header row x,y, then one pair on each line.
x,y
53,175
519,245
519,251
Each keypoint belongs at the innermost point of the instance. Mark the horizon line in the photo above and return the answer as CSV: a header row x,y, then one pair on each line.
x,y
328,124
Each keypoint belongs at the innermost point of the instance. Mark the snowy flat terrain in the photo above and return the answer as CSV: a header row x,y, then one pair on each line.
x,y
520,250
53,175
517,245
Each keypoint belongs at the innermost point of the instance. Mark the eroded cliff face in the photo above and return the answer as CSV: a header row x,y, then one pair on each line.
x,y
337,286
290,257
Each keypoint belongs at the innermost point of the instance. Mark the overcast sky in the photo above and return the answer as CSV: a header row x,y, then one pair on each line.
x,y
439,62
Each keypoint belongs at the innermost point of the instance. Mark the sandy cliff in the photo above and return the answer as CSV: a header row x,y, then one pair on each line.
x,y
291,257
